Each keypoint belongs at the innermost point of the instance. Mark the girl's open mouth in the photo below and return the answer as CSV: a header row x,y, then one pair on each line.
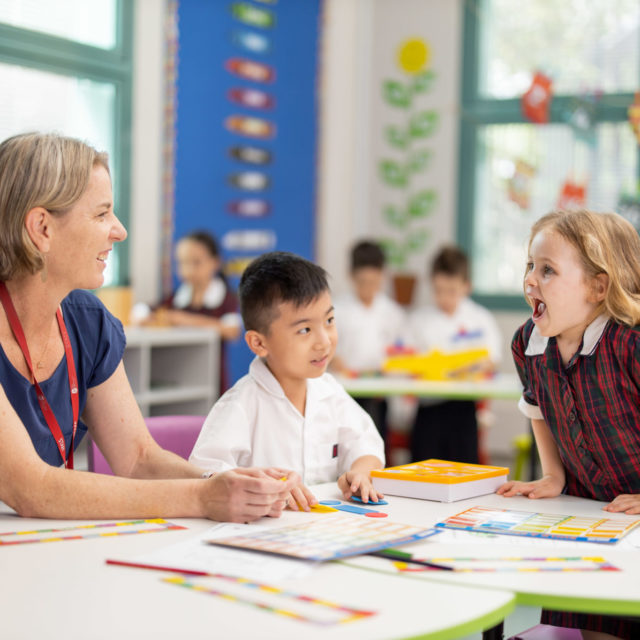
x,y
539,308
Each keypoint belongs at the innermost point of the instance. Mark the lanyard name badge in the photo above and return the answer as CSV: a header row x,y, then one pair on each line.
x,y
52,423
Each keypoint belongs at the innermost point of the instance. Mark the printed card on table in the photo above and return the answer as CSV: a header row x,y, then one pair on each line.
x,y
541,525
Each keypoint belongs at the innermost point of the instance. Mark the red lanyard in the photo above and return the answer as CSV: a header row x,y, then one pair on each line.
x,y
18,333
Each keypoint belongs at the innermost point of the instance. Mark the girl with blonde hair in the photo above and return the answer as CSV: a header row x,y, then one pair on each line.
x,y
578,357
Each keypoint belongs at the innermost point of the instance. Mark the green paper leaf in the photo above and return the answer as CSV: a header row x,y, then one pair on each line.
x,y
422,204
423,124
393,173
397,137
394,253
418,160
396,94
423,81
395,217
417,240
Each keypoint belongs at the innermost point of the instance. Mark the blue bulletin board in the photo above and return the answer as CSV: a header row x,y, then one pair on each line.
x,y
245,159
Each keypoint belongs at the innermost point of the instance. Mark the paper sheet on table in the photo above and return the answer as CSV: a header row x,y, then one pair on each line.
x,y
195,555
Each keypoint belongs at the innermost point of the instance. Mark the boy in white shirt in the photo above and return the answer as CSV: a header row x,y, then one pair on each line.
x,y
288,408
370,322
449,430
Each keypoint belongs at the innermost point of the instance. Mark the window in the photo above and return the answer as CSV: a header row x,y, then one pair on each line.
x,y
66,66
512,170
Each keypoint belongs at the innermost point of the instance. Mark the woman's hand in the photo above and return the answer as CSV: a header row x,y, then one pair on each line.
x,y
244,495
624,503
548,486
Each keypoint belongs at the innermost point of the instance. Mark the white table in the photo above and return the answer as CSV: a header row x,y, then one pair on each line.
x,y
601,592
65,590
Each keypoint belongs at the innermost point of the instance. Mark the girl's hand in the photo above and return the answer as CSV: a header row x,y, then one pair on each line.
x,y
625,503
547,487
358,482
301,499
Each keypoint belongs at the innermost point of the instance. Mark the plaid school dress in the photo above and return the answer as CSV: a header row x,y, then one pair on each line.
x,y
592,407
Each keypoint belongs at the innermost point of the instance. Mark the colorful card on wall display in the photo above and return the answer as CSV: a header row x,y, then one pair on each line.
x,y
334,536
541,525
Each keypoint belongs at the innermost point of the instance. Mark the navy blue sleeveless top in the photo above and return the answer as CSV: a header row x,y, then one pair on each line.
x,y
98,342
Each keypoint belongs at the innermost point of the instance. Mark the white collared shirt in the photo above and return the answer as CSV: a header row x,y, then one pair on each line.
x,y
537,345
255,424
470,327
364,333
213,298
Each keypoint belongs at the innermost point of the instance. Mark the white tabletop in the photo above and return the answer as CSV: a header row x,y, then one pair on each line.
x,y
502,386
604,592
65,590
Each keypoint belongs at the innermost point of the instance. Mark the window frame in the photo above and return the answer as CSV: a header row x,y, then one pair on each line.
x,y
44,52
476,112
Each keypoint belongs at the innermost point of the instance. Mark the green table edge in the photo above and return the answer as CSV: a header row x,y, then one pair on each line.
x,y
449,395
597,606
481,623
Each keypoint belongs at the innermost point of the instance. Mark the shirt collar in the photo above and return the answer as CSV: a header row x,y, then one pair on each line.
x,y
538,343
213,296
317,388
259,371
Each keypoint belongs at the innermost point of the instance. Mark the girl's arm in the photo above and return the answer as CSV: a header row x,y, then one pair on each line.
x,y
553,475
179,318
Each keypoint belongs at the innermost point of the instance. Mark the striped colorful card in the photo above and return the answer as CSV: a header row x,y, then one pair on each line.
x,y
85,531
542,525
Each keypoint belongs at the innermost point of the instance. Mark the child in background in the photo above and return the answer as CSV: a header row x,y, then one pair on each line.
x,y
449,430
204,298
369,323
288,408
578,357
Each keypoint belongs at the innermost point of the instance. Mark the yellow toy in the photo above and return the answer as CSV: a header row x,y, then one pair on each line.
x,y
472,364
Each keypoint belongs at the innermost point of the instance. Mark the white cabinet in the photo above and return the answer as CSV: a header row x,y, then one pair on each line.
x,y
173,370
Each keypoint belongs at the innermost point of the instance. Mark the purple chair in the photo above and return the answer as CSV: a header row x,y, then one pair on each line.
x,y
548,632
174,433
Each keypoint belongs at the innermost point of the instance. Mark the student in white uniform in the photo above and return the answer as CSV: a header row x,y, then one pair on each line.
x,y
449,430
369,323
287,408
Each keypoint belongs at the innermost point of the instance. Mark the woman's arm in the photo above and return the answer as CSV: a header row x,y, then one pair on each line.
x,y
36,489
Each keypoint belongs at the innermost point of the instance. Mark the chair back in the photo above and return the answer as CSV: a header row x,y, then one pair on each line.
x,y
173,433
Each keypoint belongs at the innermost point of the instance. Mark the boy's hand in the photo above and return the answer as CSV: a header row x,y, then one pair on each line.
x,y
627,503
358,482
547,487
301,499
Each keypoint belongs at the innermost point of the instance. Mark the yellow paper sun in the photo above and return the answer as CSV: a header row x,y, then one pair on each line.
x,y
414,55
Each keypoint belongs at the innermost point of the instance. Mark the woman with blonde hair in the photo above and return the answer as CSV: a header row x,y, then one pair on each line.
x,y
61,371
578,357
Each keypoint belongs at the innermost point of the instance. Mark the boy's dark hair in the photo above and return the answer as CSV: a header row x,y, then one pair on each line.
x,y
273,278
451,261
207,240
367,254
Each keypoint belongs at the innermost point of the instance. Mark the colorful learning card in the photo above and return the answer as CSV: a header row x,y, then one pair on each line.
x,y
272,599
502,564
541,525
85,531
328,538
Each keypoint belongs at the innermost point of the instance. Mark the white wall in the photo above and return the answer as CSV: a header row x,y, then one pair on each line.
x,y
147,147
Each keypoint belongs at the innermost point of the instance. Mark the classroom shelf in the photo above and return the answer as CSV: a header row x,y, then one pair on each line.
x,y
173,370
